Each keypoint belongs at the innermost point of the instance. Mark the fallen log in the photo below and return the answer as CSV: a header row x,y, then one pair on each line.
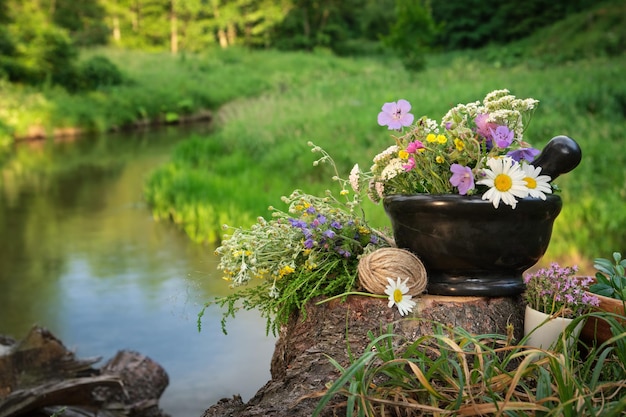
x,y
39,375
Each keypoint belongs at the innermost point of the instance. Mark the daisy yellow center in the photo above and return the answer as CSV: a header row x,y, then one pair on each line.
x,y
503,182
530,183
397,295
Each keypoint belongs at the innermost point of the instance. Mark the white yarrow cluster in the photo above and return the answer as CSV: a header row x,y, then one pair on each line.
x,y
393,169
386,154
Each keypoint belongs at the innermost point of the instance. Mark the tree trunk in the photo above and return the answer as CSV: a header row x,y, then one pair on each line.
x,y
300,368
173,28
117,34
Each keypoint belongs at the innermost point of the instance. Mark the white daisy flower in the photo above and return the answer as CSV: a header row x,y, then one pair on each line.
x,y
538,185
397,292
506,181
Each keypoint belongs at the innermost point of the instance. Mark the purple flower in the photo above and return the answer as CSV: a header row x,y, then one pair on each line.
x,y
301,224
329,233
462,178
395,115
524,153
502,136
309,243
319,220
335,224
343,252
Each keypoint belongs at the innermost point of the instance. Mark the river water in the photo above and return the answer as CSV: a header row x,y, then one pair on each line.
x,y
81,256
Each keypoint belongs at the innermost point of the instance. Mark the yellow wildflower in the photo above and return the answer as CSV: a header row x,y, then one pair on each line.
x,y
431,138
459,144
285,270
403,154
439,159
442,139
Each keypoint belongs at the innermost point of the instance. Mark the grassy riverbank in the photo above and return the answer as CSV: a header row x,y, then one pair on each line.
x,y
157,88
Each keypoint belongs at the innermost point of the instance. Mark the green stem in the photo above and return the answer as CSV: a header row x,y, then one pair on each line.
x,y
367,294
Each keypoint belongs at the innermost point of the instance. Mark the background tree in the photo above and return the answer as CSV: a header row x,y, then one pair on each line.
x,y
84,20
412,33
35,49
476,23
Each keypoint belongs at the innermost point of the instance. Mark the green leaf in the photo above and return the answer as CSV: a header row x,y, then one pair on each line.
x,y
602,289
603,265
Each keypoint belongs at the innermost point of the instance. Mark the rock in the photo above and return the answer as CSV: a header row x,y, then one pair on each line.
x,y
300,368
39,375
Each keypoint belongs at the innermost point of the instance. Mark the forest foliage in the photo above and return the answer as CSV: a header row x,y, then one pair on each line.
x,y
39,38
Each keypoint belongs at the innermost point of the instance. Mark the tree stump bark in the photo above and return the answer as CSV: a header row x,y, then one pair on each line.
x,y
300,368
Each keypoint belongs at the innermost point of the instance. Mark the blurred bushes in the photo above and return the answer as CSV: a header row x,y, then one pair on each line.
x,y
35,51
98,71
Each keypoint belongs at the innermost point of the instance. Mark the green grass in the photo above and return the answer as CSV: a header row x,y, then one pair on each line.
x,y
452,372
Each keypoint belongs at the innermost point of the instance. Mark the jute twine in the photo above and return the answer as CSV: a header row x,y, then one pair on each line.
x,y
394,263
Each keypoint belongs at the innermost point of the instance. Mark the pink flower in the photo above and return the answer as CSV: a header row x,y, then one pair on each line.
x,y
482,127
410,165
395,115
414,146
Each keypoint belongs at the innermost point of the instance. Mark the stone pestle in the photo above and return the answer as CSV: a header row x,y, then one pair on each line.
x,y
560,155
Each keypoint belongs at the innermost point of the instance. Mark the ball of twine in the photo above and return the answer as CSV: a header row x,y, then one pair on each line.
x,y
394,263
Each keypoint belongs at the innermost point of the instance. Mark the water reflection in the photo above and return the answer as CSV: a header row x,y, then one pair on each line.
x,y
81,255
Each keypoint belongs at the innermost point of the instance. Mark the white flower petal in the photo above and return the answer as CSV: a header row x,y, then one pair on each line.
x,y
405,304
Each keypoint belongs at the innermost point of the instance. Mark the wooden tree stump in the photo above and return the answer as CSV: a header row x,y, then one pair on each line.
x,y
300,368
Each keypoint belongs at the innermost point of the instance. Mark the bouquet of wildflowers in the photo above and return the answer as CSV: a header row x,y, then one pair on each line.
x,y
311,249
477,148
557,291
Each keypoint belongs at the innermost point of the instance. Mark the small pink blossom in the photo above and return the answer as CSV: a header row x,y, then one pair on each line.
x,y
414,146
482,127
409,165
395,115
